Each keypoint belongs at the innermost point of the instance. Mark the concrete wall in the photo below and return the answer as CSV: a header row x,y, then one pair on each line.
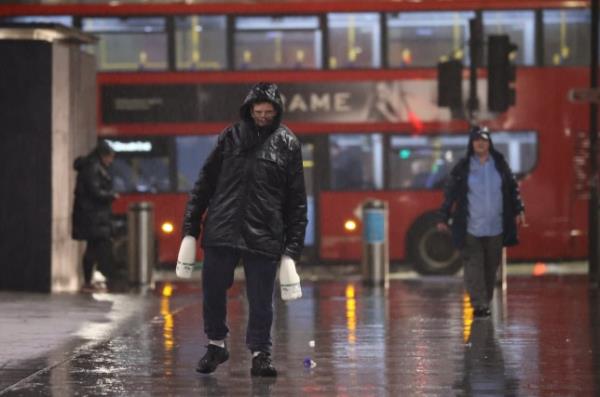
x,y
73,135
47,118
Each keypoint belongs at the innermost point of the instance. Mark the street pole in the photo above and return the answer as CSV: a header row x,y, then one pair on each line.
x,y
593,246
475,45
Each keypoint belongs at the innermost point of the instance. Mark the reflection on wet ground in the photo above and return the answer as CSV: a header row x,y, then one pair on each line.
x,y
418,338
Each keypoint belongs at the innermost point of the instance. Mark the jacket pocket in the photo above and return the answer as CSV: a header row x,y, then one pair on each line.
x,y
270,168
272,157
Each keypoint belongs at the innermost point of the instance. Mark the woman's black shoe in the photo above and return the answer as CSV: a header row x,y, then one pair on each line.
x,y
482,312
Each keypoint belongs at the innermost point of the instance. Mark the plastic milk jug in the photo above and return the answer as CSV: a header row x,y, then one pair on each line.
x,y
186,257
289,279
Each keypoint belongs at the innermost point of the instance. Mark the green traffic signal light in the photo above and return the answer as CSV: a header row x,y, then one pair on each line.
x,y
404,154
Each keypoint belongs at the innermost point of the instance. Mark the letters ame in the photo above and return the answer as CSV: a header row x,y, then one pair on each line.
x,y
327,102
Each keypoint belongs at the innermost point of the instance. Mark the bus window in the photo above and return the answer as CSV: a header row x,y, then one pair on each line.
x,y
129,43
424,162
58,19
422,38
200,42
567,37
191,152
356,161
354,40
519,26
308,160
519,148
277,42
141,165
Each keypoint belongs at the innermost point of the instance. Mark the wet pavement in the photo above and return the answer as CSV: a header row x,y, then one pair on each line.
x,y
417,339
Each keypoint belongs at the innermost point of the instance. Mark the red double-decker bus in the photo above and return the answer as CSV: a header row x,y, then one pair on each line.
x,y
360,87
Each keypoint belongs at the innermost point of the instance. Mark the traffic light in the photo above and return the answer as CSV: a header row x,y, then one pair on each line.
x,y
501,73
450,84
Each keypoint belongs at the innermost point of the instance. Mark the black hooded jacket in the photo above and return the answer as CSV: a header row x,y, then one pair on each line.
x,y
252,186
93,199
456,206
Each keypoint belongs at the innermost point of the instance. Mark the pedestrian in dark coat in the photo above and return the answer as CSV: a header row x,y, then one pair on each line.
x,y
252,189
483,205
92,211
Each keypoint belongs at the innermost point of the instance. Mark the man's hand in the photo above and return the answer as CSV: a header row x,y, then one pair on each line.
x,y
286,259
520,219
442,227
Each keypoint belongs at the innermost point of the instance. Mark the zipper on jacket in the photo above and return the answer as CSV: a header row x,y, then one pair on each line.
x,y
249,160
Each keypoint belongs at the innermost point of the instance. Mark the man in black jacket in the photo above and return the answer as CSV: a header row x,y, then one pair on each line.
x,y
92,211
487,206
252,188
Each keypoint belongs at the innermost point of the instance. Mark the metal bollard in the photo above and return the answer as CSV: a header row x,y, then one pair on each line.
x,y
140,236
375,259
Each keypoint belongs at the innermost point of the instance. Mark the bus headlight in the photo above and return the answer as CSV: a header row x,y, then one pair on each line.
x,y
167,227
350,225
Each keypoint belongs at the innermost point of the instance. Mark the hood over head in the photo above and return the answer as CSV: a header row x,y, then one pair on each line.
x,y
479,132
103,148
262,92
79,163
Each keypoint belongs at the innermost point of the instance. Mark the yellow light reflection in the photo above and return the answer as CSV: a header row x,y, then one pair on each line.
x,y
467,317
165,311
351,39
143,57
351,313
350,225
333,63
167,227
167,290
247,56
278,48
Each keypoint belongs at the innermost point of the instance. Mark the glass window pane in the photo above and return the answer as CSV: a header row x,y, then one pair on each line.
x,y
59,19
201,42
192,152
519,148
277,43
354,40
567,37
141,165
519,26
424,162
308,150
356,161
422,38
129,43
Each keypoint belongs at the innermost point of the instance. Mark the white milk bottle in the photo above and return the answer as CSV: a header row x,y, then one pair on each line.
x,y
289,279
186,257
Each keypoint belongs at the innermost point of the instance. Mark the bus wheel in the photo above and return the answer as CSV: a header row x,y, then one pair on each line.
x,y
430,251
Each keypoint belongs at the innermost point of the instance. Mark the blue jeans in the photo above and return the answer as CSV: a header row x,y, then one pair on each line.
x,y
217,278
